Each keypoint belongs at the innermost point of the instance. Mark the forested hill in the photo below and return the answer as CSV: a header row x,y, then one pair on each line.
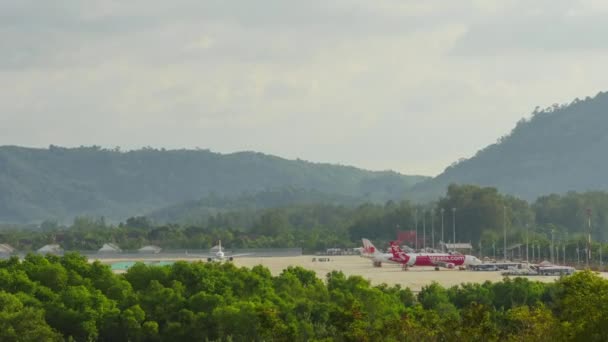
x,y
59,183
197,211
558,149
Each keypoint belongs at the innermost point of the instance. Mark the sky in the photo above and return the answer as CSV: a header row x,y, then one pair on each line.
x,y
406,85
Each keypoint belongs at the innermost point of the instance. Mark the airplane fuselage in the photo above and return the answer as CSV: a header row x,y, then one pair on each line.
x,y
424,259
432,259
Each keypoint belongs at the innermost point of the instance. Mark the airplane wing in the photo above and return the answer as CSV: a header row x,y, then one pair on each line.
x,y
202,255
237,255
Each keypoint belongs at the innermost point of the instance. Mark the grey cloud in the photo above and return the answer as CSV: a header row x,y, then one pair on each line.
x,y
535,27
65,33
351,81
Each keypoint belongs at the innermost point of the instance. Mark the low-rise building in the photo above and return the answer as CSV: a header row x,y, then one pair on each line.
x,y
150,249
6,249
461,247
51,249
109,248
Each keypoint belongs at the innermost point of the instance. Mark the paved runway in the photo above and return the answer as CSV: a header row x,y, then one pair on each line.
x,y
415,278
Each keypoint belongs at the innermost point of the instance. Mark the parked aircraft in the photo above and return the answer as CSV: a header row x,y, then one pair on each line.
x,y
431,259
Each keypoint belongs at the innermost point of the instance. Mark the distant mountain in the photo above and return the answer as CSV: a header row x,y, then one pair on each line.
x,y
558,149
59,183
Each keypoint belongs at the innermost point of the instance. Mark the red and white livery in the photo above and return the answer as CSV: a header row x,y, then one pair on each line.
x,y
431,259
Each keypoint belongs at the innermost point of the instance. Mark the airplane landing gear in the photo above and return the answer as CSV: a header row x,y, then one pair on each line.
x,y
405,267
377,263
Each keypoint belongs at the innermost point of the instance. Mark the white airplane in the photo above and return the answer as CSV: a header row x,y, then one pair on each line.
x,y
220,256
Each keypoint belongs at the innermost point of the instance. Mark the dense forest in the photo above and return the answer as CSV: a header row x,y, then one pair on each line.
x,y
556,150
55,298
202,209
481,215
61,183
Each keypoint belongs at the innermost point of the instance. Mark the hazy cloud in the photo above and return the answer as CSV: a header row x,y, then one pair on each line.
x,y
406,85
538,27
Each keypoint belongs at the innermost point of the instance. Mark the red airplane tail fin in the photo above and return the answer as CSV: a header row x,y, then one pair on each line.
x,y
368,247
397,252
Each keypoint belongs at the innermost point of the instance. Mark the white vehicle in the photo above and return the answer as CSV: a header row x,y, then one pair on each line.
x,y
484,267
555,270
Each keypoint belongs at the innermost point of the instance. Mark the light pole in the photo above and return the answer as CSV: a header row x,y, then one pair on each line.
x,y
601,255
527,233
433,228
504,226
552,249
454,226
416,226
588,236
442,240
424,230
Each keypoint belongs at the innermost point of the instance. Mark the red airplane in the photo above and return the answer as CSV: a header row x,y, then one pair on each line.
x,y
431,259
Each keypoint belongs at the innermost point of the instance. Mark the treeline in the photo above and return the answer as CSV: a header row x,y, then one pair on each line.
x,y
52,299
481,215
193,212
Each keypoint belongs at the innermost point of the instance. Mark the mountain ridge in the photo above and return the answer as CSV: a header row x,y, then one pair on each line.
x,y
59,183
557,150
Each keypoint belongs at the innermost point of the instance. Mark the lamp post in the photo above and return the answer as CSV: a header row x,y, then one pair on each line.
x,y
416,226
433,228
588,252
533,253
527,235
504,226
424,230
454,226
442,240
601,264
552,250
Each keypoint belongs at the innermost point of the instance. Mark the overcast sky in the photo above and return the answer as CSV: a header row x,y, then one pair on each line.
x,y
405,85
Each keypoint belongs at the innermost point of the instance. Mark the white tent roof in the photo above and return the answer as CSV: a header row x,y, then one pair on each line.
x,y
52,248
150,248
109,247
6,249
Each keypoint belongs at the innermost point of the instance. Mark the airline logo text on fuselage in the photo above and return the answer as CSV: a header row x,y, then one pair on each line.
x,y
445,257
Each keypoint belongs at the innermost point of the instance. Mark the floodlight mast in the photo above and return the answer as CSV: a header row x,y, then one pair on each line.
x,y
504,224
454,226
